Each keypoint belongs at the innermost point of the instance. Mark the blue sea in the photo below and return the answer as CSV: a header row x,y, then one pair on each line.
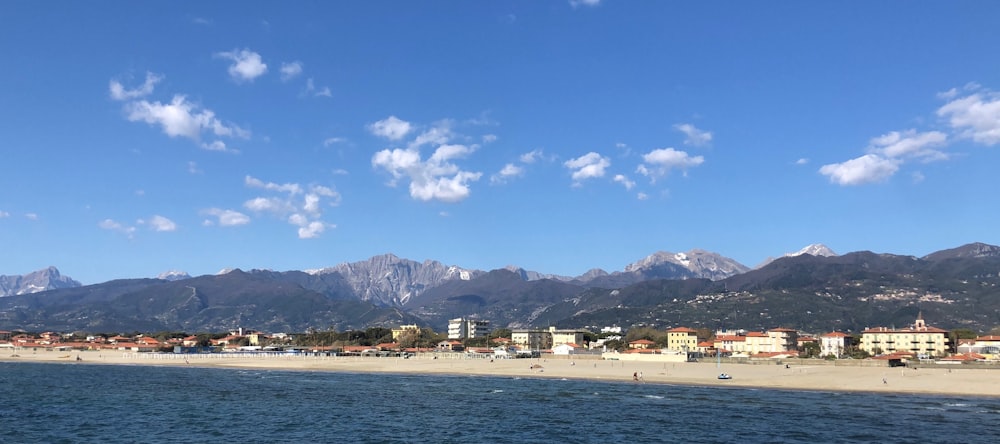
x,y
72,403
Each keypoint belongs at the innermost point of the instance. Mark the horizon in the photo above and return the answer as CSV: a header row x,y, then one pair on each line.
x,y
557,136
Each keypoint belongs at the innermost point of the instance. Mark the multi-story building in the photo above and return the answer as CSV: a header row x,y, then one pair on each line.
x,y
783,339
682,339
397,332
920,339
462,328
531,339
834,343
566,336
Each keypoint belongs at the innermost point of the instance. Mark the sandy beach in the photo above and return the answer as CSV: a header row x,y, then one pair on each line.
x,y
940,379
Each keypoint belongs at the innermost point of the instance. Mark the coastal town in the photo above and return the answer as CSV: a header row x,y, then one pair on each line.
x,y
916,343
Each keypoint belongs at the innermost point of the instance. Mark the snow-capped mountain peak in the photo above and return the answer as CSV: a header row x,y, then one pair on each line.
x,y
813,250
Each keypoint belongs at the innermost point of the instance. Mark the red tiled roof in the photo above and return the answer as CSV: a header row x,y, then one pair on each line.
x,y
756,334
835,334
682,330
988,338
642,341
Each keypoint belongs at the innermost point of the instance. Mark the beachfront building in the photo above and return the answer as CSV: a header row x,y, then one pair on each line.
x,y
682,339
641,344
531,339
731,344
566,336
986,346
834,343
397,332
464,328
783,340
919,339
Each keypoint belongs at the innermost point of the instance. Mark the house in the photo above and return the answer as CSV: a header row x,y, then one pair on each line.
x,y
834,343
641,344
919,338
987,346
682,339
565,349
451,345
731,344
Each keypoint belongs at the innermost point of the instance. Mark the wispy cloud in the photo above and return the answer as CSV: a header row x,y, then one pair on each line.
x,y
312,90
392,128
159,223
625,181
4,214
869,168
975,117
578,3
587,166
225,218
299,205
694,136
112,225
247,65
290,70
659,162
886,154
119,92
181,118
508,171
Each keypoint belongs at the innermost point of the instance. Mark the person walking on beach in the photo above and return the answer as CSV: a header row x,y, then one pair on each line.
x,y
635,376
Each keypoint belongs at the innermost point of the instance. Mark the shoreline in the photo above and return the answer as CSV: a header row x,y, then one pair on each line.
x,y
976,382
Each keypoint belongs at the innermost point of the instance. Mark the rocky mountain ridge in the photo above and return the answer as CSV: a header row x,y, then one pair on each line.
x,y
35,282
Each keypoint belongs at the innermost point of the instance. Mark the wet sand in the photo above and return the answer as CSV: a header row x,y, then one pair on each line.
x,y
938,379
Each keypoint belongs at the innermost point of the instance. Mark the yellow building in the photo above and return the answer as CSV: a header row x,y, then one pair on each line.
x,y
920,339
397,332
682,339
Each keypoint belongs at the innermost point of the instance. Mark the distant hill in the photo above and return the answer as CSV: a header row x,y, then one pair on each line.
x,y
955,288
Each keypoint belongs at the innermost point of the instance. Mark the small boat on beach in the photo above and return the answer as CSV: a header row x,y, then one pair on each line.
x,y
725,376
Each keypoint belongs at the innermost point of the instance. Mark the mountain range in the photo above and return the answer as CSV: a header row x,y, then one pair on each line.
x,y
809,289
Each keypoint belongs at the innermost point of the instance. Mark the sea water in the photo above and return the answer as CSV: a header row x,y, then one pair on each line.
x,y
79,403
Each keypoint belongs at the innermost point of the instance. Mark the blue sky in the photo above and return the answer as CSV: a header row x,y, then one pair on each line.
x,y
140,137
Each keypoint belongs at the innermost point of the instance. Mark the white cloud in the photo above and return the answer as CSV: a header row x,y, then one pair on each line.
x,y
910,144
333,140
587,166
435,179
112,225
290,188
193,168
508,171
184,119
659,162
489,138
317,92
695,136
976,116
160,223
31,216
247,65
531,157
391,128
274,205
290,70
226,218
622,179
438,134
4,214
304,213
869,168
576,3
118,92
802,161
642,196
